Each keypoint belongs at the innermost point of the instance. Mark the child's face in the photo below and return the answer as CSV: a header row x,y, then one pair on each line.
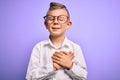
x,y
57,25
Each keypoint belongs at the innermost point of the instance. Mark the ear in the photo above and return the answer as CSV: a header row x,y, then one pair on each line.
x,y
69,24
45,23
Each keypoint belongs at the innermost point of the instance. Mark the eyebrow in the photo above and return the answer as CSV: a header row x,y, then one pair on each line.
x,y
58,15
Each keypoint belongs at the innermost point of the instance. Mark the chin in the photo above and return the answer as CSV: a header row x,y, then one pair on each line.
x,y
55,34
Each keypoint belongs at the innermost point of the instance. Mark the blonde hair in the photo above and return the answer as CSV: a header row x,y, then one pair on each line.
x,y
55,5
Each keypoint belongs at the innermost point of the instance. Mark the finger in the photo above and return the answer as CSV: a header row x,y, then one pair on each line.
x,y
57,66
70,54
57,53
64,52
56,58
56,61
54,67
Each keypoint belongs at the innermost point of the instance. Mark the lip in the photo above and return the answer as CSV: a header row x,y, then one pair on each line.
x,y
55,28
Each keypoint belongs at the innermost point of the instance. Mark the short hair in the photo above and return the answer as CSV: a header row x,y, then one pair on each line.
x,y
55,5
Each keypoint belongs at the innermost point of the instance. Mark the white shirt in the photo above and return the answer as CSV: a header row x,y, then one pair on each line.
x,y
41,65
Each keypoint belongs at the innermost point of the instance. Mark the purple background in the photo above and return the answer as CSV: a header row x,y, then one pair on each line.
x,y
96,28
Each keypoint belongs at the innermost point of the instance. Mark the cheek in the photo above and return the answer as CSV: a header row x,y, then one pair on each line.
x,y
65,26
47,25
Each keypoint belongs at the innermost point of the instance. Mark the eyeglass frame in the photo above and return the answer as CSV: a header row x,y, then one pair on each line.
x,y
57,18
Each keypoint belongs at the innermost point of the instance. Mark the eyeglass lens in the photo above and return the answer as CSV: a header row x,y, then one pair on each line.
x,y
60,19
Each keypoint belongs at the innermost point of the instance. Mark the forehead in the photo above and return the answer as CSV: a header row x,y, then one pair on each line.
x,y
57,12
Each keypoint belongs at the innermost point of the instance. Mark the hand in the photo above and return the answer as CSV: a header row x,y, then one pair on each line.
x,y
56,66
63,58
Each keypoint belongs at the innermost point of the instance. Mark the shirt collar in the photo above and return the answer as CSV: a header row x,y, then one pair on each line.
x,y
64,44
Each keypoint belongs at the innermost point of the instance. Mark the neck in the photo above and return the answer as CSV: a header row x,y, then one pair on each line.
x,y
57,41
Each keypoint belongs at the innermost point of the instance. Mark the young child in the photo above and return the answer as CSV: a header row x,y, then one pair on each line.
x,y
57,58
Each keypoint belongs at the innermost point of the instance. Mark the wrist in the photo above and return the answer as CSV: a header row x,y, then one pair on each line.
x,y
70,66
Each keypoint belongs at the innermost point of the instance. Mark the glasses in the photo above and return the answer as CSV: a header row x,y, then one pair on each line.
x,y
61,19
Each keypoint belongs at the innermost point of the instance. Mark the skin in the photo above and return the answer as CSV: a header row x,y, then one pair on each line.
x,y
60,59
63,60
56,29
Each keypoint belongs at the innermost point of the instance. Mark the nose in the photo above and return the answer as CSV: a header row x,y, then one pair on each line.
x,y
55,20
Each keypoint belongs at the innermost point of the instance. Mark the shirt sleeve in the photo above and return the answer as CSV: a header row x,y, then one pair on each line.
x,y
78,70
35,70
